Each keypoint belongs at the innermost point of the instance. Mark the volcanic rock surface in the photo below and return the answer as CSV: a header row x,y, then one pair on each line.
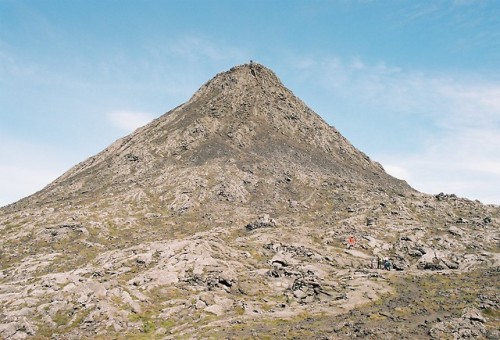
x,y
228,216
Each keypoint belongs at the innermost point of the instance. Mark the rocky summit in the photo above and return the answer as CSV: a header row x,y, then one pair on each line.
x,y
243,214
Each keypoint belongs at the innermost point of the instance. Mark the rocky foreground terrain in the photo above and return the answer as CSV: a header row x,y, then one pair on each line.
x,y
228,217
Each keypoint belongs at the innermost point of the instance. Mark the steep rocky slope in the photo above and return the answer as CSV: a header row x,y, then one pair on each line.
x,y
228,216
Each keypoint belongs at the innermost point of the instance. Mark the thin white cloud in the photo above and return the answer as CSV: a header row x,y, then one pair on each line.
x,y
128,121
357,64
18,181
476,104
30,167
11,68
458,152
195,47
465,162
462,155
397,171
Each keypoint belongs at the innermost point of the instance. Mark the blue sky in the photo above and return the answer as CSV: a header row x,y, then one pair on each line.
x,y
413,84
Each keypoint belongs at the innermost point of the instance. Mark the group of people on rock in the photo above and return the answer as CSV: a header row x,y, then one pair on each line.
x,y
381,263
377,262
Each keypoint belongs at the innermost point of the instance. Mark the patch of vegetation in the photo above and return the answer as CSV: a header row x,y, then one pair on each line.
x,y
167,324
62,318
239,310
146,320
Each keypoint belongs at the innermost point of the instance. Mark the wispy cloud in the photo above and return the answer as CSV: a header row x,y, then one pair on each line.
x,y
128,121
33,179
459,150
31,166
473,104
12,68
196,47
462,161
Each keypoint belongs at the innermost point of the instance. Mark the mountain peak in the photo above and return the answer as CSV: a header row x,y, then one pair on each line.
x,y
244,116
251,71
252,79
